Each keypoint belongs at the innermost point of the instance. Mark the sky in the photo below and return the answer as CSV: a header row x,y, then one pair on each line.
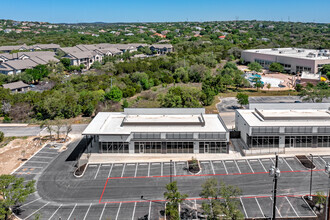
x,y
74,11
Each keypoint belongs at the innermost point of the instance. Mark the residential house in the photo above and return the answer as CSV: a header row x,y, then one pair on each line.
x,y
17,86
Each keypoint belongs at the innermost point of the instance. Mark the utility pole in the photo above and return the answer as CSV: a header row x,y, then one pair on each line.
x,y
327,209
171,178
311,179
274,172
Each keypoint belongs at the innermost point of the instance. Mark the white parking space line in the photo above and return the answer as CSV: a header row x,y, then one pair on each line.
x,y
322,159
249,166
291,206
122,173
149,169
149,211
97,172
37,210
262,165
110,170
29,203
88,210
43,157
259,206
212,167
105,204
174,169
33,161
134,210
72,211
223,162
47,152
55,212
246,215
32,167
161,169
271,159
309,206
287,163
278,211
239,170
136,167
92,165
118,211
106,165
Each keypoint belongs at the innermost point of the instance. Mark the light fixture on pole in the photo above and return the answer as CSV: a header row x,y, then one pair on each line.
x,y
274,172
311,179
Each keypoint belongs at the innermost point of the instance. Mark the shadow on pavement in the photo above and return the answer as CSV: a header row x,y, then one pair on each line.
x,y
79,149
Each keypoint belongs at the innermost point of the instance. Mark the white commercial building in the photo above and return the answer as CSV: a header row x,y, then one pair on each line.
x,y
281,128
294,60
158,130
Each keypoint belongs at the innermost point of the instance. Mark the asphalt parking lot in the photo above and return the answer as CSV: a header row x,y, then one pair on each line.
x,y
114,190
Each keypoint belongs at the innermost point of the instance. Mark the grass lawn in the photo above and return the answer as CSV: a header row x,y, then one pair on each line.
x,y
212,109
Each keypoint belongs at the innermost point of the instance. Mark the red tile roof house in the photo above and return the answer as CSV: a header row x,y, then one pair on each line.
x,y
222,37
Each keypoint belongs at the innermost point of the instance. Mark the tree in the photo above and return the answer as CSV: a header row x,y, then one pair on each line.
x,y
58,123
46,124
13,191
242,98
66,62
254,66
257,83
2,136
125,103
115,94
325,69
276,67
68,129
269,86
173,198
227,206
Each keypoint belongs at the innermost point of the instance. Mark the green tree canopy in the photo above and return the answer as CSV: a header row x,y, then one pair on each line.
x,y
254,66
181,97
13,191
115,94
276,67
173,198
242,98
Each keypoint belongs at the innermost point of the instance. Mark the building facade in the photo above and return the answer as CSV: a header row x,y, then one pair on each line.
x,y
158,131
293,60
284,128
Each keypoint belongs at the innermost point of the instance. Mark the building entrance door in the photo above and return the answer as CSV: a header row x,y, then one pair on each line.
x,y
206,148
141,148
292,141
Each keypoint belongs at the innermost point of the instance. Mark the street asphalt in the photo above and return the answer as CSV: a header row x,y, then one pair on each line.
x,y
20,131
114,190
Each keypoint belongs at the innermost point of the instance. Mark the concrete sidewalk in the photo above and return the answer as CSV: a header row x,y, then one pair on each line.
x,y
126,158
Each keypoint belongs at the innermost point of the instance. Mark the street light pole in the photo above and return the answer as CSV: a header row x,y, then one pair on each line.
x,y
311,179
327,210
171,171
274,172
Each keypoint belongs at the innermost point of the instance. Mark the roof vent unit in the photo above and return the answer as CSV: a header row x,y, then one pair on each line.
x,y
311,55
301,50
275,49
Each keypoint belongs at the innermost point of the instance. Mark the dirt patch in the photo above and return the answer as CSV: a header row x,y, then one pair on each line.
x,y
16,152
305,161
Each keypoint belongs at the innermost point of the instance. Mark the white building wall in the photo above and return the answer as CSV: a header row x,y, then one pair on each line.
x,y
242,126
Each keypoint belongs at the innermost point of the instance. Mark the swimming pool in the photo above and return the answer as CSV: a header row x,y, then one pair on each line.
x,y
265,80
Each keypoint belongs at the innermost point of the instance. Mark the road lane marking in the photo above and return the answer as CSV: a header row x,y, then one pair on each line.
x,y
223,162
110,170
122,173
262,165
136,167
212,167
118,211
29,202
97,172
249,166
278,211
149,169
42,157
55,212
259,207
237,167
72,211
103,211
37,210
149,211
292,206
287,164
134,211
88,210
240,198
33,161
196,213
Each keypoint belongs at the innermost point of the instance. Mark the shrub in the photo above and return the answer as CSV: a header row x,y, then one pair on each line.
x,y
2,136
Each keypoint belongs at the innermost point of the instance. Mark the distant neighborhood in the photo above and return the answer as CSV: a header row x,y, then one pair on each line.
x,y
16,59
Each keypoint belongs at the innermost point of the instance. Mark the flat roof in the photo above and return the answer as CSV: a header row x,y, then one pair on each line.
x,y
114,123
295,52
287,117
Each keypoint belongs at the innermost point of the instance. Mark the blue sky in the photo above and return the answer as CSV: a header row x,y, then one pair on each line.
x,y
164,10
